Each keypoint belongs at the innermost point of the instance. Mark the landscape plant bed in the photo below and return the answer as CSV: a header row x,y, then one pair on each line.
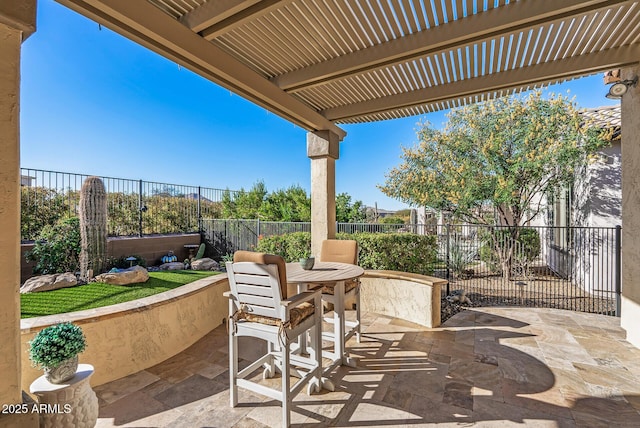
x,y
95,294
541,291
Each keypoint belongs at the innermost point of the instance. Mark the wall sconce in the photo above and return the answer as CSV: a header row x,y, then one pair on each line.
x,y
618,89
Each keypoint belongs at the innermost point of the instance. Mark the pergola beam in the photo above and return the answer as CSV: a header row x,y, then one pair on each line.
x,y
508,80
235,20
451,36
147,25
213,12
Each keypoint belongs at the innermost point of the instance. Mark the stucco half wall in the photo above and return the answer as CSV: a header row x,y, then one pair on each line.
x,y
411,297
126,338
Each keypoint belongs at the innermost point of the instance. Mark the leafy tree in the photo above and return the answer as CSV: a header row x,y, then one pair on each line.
x,y
392,220
245,203
499,155
347,212
292,204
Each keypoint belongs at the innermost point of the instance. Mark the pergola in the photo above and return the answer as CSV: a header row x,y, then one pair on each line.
x,y
321,63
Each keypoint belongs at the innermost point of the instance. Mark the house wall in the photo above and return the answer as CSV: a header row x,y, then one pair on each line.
x,y
589,259
631,209
598,203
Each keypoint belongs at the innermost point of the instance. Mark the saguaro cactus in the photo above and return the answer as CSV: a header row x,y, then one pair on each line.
x,y
93,227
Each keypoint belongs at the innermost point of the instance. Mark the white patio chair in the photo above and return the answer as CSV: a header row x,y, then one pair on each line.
x,y
342,251
259,307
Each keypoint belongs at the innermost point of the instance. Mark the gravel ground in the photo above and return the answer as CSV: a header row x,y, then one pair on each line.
x,y
538,291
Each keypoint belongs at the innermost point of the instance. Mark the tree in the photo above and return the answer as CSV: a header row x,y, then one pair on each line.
x,y
292,204
392,220
347,212
244,204
498,155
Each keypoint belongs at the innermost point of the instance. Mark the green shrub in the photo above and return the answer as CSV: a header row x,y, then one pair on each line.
x,y
57,248
291,246
55,344
527,248
404,252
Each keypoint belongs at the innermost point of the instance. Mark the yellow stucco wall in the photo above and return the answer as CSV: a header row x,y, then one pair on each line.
x,y
411,297
126,338
10,39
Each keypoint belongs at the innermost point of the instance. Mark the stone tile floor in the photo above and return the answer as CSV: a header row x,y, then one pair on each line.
x,y
485,367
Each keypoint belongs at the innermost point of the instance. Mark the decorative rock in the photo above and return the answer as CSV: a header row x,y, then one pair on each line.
x,y
131,275
49,282
172,266
205,264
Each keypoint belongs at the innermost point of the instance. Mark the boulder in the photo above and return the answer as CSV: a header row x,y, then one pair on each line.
x,y
49,282
205,264
172,266
131,275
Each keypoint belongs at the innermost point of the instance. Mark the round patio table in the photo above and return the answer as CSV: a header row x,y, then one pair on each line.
x,y
329,272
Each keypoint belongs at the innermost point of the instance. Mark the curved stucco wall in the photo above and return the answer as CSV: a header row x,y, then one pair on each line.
x,y
126,338
408,296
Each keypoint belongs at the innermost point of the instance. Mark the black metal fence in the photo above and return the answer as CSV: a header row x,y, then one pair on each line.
x,y
576,268
135,207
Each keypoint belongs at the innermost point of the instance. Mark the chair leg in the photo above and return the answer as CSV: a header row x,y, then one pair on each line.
x,y
286,385
358,313
270,367
233,366
316,338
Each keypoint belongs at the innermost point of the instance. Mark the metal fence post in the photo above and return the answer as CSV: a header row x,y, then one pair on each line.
x,y
257,233
618,273
447,258
199,213
140,208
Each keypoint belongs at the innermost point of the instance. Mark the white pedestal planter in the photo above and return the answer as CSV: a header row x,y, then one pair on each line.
x,y
72,404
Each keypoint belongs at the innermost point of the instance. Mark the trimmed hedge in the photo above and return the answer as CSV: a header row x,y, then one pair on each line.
x,y
405,252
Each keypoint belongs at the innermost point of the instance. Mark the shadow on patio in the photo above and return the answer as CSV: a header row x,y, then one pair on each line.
x,y
483,367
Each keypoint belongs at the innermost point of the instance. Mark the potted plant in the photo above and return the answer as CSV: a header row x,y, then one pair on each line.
x,y
56,349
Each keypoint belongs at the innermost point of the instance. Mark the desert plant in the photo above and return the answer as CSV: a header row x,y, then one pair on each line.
x,y
56,344
200,253
57,248
461,255
93,226
521,250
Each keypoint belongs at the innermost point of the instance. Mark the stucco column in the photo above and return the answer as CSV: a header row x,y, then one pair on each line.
x,y
630,310
17,20
323,148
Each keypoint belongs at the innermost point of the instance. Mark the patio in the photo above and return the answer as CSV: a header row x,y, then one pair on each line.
x,y
483,367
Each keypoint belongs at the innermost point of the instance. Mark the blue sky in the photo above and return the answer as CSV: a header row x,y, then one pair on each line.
x,y
94,102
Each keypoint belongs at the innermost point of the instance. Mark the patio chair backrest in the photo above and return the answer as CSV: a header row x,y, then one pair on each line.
x,y
340,251
258,282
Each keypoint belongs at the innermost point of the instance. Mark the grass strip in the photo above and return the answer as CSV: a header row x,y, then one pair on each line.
x,y
95,294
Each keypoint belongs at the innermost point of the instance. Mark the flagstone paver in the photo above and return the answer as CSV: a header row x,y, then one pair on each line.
x,y
485,367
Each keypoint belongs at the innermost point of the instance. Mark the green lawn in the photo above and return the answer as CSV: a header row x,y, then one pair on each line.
x,y
95,295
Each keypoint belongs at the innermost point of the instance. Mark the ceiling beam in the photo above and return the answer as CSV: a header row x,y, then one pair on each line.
x,y
515,16
251,12
513,79
212,12
147,25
